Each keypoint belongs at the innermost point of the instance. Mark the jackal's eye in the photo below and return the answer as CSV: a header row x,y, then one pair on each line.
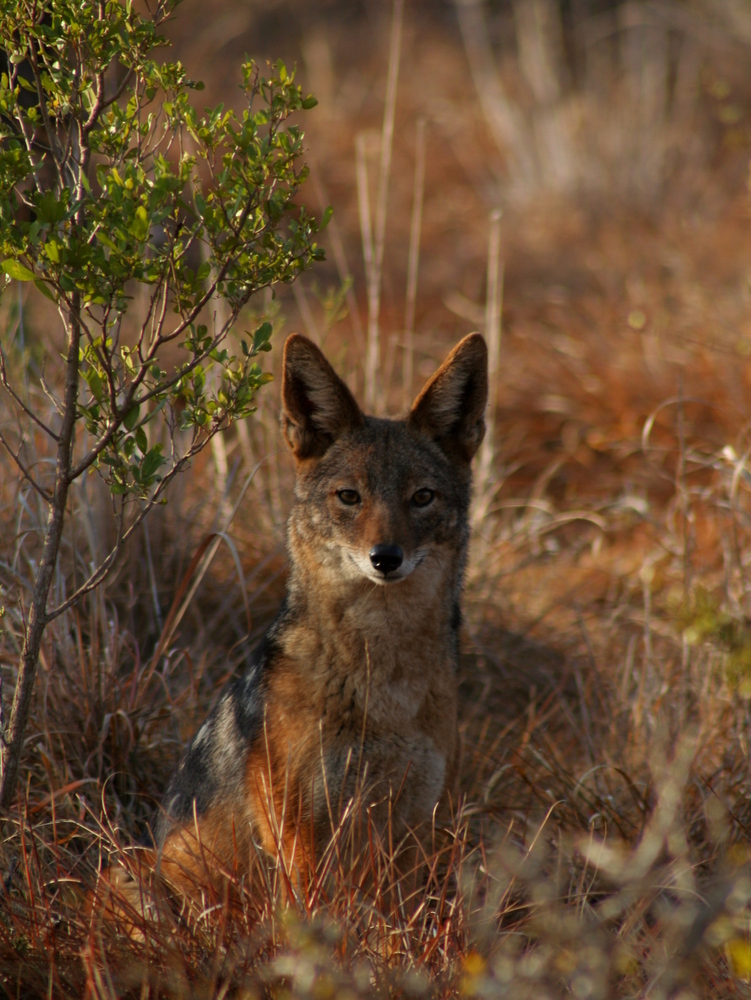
x,y
423,497
348,497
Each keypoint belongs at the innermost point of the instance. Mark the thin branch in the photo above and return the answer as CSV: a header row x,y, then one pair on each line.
x,y
51,137
157,324
30,140
118,93
101,571
31,143
50,394
493,307
14,395
37,620
24,471
413,261
66,155
159,286
119,412
99,101
105,358
18,580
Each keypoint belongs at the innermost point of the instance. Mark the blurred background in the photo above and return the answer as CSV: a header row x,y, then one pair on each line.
x,y
571,178
615,140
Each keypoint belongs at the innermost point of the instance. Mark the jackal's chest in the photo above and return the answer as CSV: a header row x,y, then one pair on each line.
x,y
367,712
394,777
388,733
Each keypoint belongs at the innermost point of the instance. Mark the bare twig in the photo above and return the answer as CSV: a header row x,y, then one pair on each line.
x,y
41,97
366,231
50,394
24,470
4,381
373,353
413,261
99,574
493,336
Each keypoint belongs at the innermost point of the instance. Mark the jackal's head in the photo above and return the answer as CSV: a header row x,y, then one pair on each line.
x,y
382,500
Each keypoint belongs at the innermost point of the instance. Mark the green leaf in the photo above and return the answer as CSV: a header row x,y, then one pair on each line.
x,y
151,462
15,270
140,227
261,338
49,210
143,444
106,241
131,417
44,288
95,384
309,102
327,216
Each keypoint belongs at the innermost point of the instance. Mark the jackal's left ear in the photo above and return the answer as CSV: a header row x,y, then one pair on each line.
x,y
451,406
316,405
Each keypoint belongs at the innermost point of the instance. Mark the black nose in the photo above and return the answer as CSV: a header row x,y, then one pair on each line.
x,y
386,558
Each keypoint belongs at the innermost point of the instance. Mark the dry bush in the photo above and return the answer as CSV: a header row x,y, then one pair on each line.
x,y
600,847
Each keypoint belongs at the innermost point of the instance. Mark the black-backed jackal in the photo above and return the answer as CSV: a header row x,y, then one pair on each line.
x,y
354,685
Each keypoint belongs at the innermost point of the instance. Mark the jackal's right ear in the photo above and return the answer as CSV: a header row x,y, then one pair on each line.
x,y
451,407
316,405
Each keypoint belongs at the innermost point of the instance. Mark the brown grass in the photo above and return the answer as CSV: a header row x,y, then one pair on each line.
x,y
600,847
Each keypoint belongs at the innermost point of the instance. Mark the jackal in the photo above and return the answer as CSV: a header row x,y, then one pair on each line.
x,y
355,681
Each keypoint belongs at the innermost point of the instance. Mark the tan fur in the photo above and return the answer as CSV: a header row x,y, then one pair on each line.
x,y
353,697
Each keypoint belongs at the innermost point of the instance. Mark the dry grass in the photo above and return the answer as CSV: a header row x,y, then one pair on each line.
x,y
600,847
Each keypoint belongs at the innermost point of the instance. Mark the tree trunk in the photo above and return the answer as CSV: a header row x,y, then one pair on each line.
x,y
13,737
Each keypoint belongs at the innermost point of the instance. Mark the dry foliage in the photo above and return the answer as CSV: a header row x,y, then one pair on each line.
x,y
601,844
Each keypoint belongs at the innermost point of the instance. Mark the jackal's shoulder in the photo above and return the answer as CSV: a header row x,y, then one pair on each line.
x,y
213,767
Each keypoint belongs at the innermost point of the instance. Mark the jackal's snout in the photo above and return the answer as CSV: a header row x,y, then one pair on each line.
x,y
386,558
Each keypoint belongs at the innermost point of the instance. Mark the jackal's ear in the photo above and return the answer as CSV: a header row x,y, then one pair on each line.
x,y
451,406
316,405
